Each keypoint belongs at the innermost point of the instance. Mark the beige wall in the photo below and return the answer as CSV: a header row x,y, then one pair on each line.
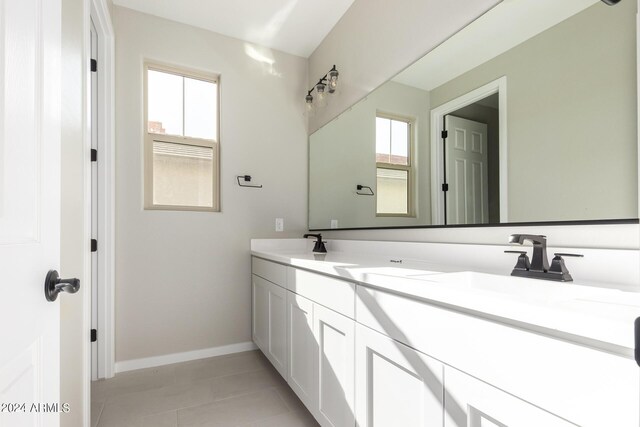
x,y
572,117
72,241
375,39
182,278
342,155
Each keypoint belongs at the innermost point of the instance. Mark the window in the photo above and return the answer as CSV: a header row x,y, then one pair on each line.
x,y
393,166
181,140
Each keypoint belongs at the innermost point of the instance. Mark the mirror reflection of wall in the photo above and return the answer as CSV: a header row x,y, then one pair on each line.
x,y
567,149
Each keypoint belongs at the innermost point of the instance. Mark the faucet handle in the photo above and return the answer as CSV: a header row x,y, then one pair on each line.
x,y
561,254
523,260
558,267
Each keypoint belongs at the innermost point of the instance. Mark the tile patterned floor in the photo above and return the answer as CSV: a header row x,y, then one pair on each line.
x,y
241,389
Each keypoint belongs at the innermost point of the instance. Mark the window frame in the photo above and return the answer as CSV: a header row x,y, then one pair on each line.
x,y
150,137
409,167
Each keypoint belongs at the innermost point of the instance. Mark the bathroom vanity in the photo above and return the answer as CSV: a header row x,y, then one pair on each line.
x,y
366,338
501,125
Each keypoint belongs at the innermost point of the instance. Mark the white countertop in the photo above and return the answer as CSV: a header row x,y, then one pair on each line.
x,y
580,311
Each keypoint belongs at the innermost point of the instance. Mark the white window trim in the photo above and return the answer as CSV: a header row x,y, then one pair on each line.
x,y
410,167
149,138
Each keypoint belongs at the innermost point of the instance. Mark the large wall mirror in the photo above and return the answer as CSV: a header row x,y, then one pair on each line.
x,y
527,115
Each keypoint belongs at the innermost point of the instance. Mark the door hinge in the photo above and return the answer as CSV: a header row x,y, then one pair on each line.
x,y
94,155
445,187
94,245
94,335
94,65
445,134
637,334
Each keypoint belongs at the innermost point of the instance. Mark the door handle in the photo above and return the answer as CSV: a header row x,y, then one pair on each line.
x,y
53,285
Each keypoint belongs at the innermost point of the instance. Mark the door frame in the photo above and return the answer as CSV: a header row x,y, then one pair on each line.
x,y
98,11
498,86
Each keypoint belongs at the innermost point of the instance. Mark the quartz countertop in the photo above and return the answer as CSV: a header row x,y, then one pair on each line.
x,y
581,311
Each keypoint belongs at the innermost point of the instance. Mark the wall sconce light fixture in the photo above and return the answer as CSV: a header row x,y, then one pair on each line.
x,y
328,83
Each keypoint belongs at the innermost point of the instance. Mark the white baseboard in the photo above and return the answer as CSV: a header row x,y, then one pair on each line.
x,y
168,359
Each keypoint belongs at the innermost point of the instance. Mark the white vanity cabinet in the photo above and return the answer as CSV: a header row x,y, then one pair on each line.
x,y
363,355
335,337
396,385
269,300
473,403
270,322
319,337
584,385
321,360
321,345
303,351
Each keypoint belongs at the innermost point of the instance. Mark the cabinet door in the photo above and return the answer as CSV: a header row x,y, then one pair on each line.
x,y
473,403
303,351
334,334
270,322
260,321
396,385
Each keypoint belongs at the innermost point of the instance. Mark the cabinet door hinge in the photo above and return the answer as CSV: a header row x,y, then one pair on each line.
x,y
94,155
94,65
94,245
445,134
94,335
445,187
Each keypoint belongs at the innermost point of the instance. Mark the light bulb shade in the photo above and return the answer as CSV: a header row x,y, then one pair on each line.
x,y
333,80
320,87
308,99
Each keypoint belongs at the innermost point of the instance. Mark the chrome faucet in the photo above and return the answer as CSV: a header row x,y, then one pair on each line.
x,y
539,266
539,260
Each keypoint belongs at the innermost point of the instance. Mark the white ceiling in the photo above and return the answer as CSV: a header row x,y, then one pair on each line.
x,y
292,26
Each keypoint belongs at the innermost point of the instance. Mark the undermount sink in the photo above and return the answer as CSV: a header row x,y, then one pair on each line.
x,y
393,271
533,290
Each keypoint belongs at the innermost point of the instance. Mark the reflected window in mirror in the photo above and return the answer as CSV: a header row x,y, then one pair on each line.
x,y
393,165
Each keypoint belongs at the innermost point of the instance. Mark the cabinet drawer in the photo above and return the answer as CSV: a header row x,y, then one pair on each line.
x,y
335,294
584,385
273,272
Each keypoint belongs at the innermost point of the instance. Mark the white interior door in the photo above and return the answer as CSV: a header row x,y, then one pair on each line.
x,y
29,211
466,171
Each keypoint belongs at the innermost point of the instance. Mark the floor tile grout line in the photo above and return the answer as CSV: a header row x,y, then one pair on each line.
x,y
100,414
273,387
176,383
230,375
235,396
286,403
218,400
